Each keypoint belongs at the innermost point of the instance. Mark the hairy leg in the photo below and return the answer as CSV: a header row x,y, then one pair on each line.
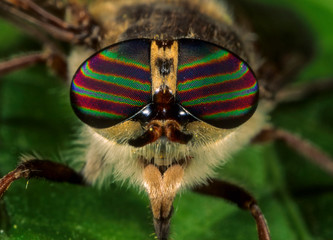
x,y
242,198
36,168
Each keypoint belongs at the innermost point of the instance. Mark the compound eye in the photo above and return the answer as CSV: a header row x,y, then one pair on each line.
x,y
215,85
113,84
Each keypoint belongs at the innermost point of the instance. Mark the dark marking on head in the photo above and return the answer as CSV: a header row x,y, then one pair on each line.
x,y
164,96
163,168
162,118
164,44
153,133
173,133
164,66
156,129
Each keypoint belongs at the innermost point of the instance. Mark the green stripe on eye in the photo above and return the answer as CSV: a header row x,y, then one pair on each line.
x,y
105,96
100,113
216,56
227,96
114,56
227,114
125,82
205,81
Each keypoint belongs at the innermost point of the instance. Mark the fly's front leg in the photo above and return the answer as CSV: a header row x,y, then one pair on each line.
x,y
36,168
242,198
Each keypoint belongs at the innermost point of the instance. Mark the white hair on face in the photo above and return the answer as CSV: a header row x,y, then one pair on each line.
x,y
110,157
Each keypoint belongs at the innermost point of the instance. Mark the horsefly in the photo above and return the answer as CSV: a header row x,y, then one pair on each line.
x,y
166,92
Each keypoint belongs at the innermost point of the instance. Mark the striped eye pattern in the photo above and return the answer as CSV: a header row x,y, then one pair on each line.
x,y
113,84
215,85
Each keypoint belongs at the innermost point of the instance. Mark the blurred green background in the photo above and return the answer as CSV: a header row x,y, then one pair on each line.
x,y
295,195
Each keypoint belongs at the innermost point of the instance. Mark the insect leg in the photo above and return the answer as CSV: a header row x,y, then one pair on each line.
x,y
21,62
82,31
302,146
54,60
242,198
36,168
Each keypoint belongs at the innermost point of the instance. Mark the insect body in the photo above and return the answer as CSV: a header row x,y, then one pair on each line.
x,y
160,104
161,101
168,98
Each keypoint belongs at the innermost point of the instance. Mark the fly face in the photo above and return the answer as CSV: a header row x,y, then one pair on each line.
x,y
165,100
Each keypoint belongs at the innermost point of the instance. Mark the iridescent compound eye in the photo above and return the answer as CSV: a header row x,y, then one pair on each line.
x,y
215,85
113,85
